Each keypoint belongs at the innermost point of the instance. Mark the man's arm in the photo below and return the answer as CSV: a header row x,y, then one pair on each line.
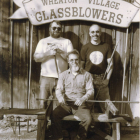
x,y
41,57
89,87
62,53
60,89
89,91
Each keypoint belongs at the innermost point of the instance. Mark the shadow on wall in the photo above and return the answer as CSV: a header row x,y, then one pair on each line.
x,y
116,80
106,38
74,39
36,68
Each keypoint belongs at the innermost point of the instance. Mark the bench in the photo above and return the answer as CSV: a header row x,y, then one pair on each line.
x,y
97,117
112,116
116,119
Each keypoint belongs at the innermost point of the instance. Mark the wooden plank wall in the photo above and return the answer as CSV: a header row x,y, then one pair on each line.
x,y
5,85
15,50
135,89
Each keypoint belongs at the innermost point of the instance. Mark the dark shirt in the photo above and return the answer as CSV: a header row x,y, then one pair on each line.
x,y
95,57
73,87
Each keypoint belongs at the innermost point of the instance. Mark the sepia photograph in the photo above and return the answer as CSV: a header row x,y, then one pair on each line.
x,y
69,69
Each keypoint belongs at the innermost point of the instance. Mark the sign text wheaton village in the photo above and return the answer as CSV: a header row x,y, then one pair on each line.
x,y
104,11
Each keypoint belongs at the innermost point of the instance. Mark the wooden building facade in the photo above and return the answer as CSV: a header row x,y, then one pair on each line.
x,y
15,59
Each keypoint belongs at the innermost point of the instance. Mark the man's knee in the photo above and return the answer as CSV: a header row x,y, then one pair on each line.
x,y
89,119
55,112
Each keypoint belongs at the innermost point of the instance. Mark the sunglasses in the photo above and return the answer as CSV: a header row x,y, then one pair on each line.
x,y
58,28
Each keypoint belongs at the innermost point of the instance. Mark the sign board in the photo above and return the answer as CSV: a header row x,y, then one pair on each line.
x,y
112,12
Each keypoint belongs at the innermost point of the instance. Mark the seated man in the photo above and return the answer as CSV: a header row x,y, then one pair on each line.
x,y
73,84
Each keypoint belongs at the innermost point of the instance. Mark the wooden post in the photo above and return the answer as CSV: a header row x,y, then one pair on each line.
x,y
40,130
11,50
130,67
124,69
30,66
29,80
116,131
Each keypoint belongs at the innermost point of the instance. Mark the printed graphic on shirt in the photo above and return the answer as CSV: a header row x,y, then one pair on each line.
x,y
96,57
53,46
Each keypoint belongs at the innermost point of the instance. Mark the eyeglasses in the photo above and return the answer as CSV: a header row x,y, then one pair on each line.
x,y
58,28
97,32
73,60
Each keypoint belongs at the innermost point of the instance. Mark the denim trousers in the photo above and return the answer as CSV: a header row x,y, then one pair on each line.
x,y
47,86
102,91
82,112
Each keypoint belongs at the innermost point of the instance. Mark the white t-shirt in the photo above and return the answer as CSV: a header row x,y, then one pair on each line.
x,y
48,68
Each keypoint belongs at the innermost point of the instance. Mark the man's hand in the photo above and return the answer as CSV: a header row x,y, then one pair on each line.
x,y
79,101
62,101
105,83
62,53
83,122
59,50
51,52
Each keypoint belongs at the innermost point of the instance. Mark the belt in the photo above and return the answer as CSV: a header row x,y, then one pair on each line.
x,y
97,75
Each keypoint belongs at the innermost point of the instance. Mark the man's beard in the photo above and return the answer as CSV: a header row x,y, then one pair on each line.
x,y
75,68
57,35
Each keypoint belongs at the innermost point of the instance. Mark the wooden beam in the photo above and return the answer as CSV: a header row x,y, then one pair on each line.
x,y
116,131
125,116
22,111
98,117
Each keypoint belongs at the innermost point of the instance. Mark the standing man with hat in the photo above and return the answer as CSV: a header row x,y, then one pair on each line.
x,y
52,53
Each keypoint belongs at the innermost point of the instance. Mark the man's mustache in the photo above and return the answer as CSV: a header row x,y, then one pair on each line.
x,y
95,36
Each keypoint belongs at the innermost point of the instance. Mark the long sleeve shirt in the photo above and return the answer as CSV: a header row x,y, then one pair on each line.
x,y
72,87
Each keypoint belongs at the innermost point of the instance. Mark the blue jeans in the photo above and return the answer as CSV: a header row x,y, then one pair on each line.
x,y
82,112
103,91
47,86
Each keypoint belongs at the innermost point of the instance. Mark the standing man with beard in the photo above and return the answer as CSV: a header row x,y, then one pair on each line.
x,y
73,84
95,57
52,53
